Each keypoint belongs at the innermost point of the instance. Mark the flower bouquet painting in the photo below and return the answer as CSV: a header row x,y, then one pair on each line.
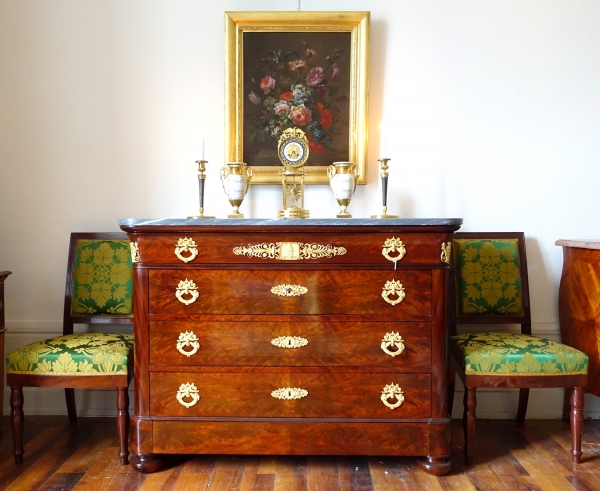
x,y
296,80
296,70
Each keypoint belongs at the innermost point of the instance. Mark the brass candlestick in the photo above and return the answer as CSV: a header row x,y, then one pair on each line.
x,y
201,179
383,163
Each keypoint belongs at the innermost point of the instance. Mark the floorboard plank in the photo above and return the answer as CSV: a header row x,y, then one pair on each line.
x,y
535,457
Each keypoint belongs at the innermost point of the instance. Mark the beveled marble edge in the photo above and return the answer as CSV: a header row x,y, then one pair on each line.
x,y
582,244
144,222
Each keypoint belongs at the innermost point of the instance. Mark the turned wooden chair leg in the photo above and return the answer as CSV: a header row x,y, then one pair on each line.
x,y
451,387
71,407
522,409
16,422
566,415
576,423
470,403
123,424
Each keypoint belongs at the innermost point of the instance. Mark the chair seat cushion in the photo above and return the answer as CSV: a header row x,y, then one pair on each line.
x,y
74,354
502,354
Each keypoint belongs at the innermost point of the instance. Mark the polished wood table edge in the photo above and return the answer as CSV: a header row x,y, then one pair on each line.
x,y
581,244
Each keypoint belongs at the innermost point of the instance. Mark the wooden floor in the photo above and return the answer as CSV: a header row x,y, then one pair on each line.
x,y
84,457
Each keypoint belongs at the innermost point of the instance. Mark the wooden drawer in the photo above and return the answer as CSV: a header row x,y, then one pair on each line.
x,y
296,437
291,343
318,292
328,395
274,248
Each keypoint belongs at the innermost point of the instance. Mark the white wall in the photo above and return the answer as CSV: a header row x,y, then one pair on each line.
x,y
493,106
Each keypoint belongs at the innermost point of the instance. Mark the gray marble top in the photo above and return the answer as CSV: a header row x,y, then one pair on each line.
x,y
583,244
325,222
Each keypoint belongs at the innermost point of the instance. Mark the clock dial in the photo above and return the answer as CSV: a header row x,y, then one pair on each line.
x,y
293,151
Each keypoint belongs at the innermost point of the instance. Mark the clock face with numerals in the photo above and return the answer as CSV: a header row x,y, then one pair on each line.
x,y
293,148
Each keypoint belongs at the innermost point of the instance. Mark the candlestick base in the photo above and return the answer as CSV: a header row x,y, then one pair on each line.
x,y
201,215
384,214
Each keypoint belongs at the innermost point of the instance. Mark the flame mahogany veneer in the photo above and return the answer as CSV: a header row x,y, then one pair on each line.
x,y
341,319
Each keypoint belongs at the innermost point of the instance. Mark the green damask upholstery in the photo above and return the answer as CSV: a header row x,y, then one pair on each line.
x,y
102,280
488,277
98,290
504,354
74,354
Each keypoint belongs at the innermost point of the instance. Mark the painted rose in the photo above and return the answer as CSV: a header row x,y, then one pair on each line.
x,y
267,83
254,99
315,147
282,107
335,73
326,117
288,96
315,76
300,114
296,65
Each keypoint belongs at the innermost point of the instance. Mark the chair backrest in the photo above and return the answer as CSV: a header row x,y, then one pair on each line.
x,y
99,287
489,283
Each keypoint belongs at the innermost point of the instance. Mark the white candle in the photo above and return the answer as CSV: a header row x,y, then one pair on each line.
x,y
202,150
383,147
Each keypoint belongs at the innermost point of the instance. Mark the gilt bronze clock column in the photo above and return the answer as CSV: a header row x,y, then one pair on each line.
x,y
293,154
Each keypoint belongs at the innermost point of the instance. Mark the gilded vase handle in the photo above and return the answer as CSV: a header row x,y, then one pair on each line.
x,y
188,391
187,339
392,340
187,287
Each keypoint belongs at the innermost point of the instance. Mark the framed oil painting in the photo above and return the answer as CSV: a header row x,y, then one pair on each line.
x,y
304,70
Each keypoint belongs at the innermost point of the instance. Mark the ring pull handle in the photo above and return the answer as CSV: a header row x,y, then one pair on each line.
x,y
289,290
187,287
289,393
390,392
188,339
187,392
392,340
394,246
289,342
391,288
187,246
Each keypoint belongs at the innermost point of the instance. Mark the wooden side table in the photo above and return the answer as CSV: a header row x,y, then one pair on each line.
x,y
579,303
3,275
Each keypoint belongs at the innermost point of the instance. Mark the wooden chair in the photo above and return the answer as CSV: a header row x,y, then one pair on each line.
x,y
489,285
98,290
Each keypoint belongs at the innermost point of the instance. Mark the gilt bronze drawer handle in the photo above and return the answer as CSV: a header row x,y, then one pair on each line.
x,y
393,288
187,339
289,290
188,391
289,342
187,287
392,391
189,247
393,245
289,393
392,340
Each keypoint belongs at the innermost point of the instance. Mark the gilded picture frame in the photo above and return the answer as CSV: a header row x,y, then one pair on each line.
x,y
296,69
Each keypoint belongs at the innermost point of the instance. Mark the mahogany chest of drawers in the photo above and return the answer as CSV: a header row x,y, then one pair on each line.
x,y
304,337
